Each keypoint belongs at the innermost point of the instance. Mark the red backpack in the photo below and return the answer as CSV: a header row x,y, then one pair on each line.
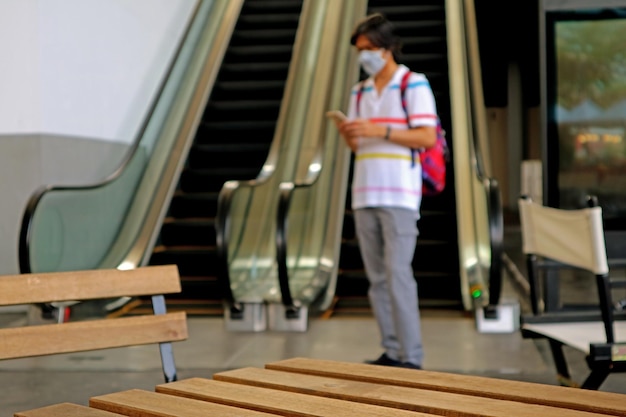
x,y
433,159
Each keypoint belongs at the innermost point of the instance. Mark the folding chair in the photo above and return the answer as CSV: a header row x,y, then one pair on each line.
x,y
556,239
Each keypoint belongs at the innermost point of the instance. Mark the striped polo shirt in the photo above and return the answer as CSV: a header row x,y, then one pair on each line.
x,y
384,174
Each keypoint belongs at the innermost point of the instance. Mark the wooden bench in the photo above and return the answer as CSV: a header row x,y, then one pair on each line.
x,y
103,333
324,388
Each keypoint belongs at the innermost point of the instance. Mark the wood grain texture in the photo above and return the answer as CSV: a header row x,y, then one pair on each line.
x,y
524,392
139,403
414,399
88,285
79,336
277,401
65,410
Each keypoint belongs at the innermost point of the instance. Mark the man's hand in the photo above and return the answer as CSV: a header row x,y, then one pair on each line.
x,y
352,130
362,128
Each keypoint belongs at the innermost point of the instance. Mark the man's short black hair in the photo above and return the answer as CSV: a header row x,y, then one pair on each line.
x,y
380,32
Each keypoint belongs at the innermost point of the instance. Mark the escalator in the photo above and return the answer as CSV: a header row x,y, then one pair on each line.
x,y
231,143
422,29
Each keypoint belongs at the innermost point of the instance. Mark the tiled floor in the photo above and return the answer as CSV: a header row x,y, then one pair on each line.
x,y
452,344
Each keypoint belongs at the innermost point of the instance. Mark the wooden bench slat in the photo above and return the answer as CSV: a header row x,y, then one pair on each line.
x,y
150,404
277,402
88,285
65,410
79,336
414,399
525,392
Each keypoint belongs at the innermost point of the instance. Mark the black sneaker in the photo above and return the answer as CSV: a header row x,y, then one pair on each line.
x,y
409,365
385,361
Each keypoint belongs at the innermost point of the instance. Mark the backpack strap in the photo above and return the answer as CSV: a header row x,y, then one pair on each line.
x,y
404,84
359,94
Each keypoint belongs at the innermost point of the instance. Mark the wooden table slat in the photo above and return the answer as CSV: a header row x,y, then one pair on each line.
x,y
45,339
526,392
140,403
302,387
414,399
277,402
88,285
65,410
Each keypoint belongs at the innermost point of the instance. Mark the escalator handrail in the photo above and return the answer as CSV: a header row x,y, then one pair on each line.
x,y
37,196
496,227
287,189
222,233
496,235
490,184
231,188
285,196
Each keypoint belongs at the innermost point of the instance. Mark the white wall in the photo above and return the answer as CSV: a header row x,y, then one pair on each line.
x,y
19,68
76,78
85,68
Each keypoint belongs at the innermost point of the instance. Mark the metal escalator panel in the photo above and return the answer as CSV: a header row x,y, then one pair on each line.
x,y
247,210
311,207
421,26
111,224
232,144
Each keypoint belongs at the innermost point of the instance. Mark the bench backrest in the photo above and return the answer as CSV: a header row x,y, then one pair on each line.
x,y
48,339
574,238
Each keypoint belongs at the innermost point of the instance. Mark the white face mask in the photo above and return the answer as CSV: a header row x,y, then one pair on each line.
x,y
372,61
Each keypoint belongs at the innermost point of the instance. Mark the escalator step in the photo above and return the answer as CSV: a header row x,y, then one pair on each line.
x,y
436,256
242,110
191,261
348,231
243,105
263,89
437,225
376,4
350,256
263,20
176,232
352,283
438,80
426,62
202,306
235,131
425,251
419,43
259,53
263,37
223,156
413,13
443,202
212,180
254,71
271,6
186,205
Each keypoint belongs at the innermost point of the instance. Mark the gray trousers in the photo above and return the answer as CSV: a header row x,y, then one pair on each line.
x,y
387,238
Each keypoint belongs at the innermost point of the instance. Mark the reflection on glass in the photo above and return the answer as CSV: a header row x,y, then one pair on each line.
x,y
590,113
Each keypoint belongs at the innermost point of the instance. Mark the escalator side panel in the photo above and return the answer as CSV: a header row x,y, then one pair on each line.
x,y
232,142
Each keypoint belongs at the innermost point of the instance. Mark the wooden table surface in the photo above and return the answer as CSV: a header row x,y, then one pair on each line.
x,y
311,387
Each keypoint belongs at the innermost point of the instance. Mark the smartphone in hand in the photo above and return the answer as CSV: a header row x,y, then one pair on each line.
x,y
337,116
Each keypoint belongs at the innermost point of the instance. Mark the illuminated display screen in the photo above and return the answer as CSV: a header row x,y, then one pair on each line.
x,y
587,109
